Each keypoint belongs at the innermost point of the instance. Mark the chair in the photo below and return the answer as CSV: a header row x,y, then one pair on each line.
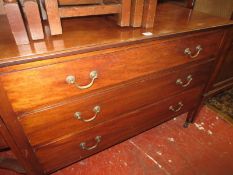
x,y
58,9
143,13
16,13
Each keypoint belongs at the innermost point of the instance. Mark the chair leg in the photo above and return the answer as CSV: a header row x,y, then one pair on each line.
x,y
136,13
149,13
32,14
16,22
53,17
124,16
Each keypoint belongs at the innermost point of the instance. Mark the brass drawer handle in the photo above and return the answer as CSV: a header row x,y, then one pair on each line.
x,y
84,147
188,52
188,81
176,109
96,110
72,80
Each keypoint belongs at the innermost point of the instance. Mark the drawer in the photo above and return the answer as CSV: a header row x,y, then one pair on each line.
x,y
51,155
58,121
41,86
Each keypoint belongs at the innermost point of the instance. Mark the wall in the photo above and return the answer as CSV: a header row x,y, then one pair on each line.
x,y
223,8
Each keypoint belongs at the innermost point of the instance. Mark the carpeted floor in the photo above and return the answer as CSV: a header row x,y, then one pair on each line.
x,y
223,104
205,148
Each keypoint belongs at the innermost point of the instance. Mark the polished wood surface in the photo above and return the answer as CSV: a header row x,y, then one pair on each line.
x,y
15,19
52,156
54,21
170,20
41,126
226,72
55,12
3,144
14,137
32,13
142,82
78,2
35,84
149,13
136,13
221,77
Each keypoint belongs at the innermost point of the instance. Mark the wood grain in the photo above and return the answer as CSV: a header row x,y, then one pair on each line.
x,y
34,85
15,138
53,17
16,22
78,2
41,127
136,13
112,132
149,13
32,14
89,10
124,16
171,21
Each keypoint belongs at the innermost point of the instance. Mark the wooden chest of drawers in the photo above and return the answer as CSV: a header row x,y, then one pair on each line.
x,y
60,106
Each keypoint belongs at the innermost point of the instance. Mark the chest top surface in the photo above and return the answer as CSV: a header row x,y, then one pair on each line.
x,y
89,34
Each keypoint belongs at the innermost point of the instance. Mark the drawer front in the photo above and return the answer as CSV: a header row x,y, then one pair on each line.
x,y
51,156
45,85
83,113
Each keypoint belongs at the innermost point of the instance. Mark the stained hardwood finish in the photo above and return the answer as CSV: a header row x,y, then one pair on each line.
x,y
142,82
78,2
52,12
90,10
40,127
3,144
32,14
136,13
16,22
16,140
170,20
222,77
56,12
113,131
35,84
190,3
149,13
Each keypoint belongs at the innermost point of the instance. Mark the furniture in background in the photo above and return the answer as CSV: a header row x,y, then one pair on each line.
x,y
55,12
13,13
142,14
31,27
185,3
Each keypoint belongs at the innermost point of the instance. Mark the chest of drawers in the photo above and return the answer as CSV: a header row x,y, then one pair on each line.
x,y
76,98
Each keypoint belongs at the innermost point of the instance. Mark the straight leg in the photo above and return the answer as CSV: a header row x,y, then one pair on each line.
x,y
16,22
53,17
124,16
136,13
149,13
32,14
